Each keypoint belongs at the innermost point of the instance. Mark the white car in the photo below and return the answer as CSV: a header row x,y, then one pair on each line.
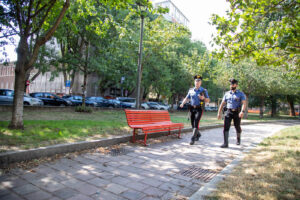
x,y
30,101
157,106
143,106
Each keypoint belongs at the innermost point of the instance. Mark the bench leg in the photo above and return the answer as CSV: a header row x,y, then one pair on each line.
x,y
169,131
145,139
179,133
133,135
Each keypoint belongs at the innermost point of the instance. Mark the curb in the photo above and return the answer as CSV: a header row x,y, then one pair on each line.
x,y
7,158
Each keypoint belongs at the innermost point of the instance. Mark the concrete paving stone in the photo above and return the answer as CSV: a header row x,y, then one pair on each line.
x,y
180,182
120,180
136,177
170,187
80,197
84,176
150,198
137,186
133,195
105,195
43,169
113,163
83,160
11,196
65,193
85,188
69,182
58,166
188,191
105,175
154,192
4,192
38,195
115,188
152,182
120,172
25,189
99,182
13,182
52,186
169,196
54,198
31,176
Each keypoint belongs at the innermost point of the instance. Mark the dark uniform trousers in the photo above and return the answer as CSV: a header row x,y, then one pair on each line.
x,y
195,114
236,119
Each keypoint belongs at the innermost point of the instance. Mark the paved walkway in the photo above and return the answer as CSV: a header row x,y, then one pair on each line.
x,y
169,170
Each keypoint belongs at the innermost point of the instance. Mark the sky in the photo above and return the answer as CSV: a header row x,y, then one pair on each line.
x,y
197,11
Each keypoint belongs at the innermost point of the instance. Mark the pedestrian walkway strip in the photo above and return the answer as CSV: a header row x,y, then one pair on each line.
x,y
204,175
119,151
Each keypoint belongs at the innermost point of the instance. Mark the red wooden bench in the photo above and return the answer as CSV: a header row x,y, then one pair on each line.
x,y
151,121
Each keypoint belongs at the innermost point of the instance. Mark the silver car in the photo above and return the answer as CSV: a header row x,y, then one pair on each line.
x,y
30,101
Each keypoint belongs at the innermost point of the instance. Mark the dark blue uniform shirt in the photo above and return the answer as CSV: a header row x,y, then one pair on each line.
x,y
234,99
193,95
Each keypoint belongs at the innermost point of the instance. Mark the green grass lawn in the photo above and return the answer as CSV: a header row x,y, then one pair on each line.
x,y
44,128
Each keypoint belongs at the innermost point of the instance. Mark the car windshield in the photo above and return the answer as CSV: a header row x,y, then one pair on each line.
x,y
152,103
10,93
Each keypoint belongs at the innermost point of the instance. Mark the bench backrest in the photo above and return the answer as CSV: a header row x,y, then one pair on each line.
x,y
140,117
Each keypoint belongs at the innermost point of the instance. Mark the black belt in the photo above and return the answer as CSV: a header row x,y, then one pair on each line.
x,y
233,110
199,106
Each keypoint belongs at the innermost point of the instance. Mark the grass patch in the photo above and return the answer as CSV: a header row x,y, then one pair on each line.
x,y
271,171
43,128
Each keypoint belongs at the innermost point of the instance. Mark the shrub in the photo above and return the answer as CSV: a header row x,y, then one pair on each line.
x,y
83,109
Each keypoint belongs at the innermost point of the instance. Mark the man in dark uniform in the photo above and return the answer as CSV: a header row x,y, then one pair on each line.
x,y
235,100
197,96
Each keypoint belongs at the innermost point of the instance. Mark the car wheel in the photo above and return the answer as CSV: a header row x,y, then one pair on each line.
x,y
161,109
62,105
26,104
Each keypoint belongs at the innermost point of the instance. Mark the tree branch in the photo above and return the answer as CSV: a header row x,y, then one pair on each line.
x,y
41,41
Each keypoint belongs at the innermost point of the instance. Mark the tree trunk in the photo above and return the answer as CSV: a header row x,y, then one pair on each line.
x,y
261,108
273,106
246,106
290,101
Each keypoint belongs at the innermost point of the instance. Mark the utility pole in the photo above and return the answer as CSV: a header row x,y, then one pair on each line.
x,y
139,77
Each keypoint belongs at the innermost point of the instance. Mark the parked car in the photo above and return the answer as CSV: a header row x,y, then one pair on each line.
x,y
157,106
101,102
31,101
51,99
77,100
211,108
126,102
114,103
7,98
185,107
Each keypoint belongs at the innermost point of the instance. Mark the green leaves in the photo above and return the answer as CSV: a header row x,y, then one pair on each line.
x,y
263,30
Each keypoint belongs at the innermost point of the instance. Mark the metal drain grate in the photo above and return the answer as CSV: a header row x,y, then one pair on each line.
x,y
204,175
119,151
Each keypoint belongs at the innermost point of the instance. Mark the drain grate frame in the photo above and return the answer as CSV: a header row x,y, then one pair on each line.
x,y
119,151
198,173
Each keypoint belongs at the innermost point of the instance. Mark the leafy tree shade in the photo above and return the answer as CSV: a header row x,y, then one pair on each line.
x,y
30,20
265,30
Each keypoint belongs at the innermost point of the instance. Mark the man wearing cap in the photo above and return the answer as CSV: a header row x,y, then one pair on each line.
x,y
235,100
197,97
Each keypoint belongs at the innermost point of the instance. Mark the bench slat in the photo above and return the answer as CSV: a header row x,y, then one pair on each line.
x,y
151,121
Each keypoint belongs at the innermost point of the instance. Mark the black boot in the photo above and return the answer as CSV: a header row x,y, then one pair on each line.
x,y
194,136
238,138
225,145
198,135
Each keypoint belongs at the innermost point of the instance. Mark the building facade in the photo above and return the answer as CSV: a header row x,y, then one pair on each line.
x,y
174,15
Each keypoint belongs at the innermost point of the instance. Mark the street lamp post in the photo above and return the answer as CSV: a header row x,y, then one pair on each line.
x,y
139,77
